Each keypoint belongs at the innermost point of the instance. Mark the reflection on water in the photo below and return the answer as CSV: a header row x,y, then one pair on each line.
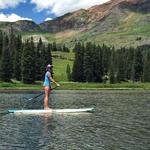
x,y
120,122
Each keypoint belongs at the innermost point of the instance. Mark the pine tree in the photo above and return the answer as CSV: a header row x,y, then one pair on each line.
x,y
68,72
97,64
94,63
48,54
112,68
12,46
28,67
146,70
106,58
129,55
59,48
5,65
38,60
77,71
137,65
32,53
54,46
43,61
120,65
88,66
17,58
65,49
1,43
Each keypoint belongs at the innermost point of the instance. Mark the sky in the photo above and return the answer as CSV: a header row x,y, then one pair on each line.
x,y
41,10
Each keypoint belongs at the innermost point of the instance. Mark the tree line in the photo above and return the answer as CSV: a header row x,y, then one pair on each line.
x,y
95,63
23,61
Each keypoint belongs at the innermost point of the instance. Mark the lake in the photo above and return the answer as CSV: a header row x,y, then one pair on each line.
x,y
120,121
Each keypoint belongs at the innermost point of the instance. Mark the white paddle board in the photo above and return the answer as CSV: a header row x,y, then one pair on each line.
x,y
41,111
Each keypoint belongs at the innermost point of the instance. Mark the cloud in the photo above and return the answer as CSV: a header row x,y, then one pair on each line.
x,y
11,17
47,19
60,7
10,3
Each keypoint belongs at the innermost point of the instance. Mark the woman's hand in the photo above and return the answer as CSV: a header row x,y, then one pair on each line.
x,y
57,84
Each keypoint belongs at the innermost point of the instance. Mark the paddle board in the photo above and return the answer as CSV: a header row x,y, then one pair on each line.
x,y
39,111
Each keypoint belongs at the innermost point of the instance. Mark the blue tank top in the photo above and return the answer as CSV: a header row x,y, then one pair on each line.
x,y
47,81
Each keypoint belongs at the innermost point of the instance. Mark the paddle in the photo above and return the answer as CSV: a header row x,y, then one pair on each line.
x,y
41,94
30,99
6,111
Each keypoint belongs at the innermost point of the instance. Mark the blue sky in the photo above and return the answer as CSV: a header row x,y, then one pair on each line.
x,y
41,10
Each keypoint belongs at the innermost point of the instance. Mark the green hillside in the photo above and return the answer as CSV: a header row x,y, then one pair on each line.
x,y
60,61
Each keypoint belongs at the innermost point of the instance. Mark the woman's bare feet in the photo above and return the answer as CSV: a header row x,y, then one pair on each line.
x,y
47,108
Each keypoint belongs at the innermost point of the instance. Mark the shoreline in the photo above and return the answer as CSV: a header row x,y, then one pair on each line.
x,y
31,91
37,87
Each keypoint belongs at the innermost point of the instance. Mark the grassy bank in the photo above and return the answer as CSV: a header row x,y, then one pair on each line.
x,y
74,86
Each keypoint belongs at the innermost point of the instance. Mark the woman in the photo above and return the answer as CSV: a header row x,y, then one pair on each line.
x,y
47,85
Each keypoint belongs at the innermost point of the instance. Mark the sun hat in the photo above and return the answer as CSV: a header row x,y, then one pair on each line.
x,y
49,66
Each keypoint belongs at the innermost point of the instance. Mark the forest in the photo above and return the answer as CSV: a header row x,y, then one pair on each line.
x,y
26,60
95,63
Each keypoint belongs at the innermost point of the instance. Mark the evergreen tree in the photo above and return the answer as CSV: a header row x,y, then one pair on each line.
x,y
38,59
112,68
65,49
54,46
28,61
5,65
120,65
1,43
43,61
96,61
68,72
48,55
146,70
17,58
59,48
129,56
32,53
106,58
88,66
77,71
48,58
137,65
12,47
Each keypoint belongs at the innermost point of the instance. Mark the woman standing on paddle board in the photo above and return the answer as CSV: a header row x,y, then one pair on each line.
x,y
47,85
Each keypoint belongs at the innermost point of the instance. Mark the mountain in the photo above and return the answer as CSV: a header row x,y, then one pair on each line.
x,y
97,15
117,22
21,26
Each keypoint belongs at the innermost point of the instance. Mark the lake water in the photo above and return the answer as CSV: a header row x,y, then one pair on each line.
x,y
121,121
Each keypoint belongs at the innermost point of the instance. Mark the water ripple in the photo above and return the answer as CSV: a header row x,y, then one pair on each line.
x,y
120,122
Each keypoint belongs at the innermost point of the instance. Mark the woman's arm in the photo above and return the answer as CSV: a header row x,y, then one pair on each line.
x,y
54,81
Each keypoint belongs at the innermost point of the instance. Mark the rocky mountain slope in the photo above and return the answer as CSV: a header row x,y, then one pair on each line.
x,y
115,22
97,16
21,26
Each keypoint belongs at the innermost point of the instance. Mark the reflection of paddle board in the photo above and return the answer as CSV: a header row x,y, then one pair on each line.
x,y
39,111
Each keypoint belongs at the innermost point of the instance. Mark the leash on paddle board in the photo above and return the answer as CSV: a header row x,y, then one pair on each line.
x,y
33,98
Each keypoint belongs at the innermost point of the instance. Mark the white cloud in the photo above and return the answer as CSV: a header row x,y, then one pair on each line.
x,y
47,19
60,7
11,17
10,3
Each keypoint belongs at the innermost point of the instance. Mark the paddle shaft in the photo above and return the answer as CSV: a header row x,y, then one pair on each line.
x,y
38,96
41,94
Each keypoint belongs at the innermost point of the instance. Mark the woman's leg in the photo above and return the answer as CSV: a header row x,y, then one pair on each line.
x,y
46,98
